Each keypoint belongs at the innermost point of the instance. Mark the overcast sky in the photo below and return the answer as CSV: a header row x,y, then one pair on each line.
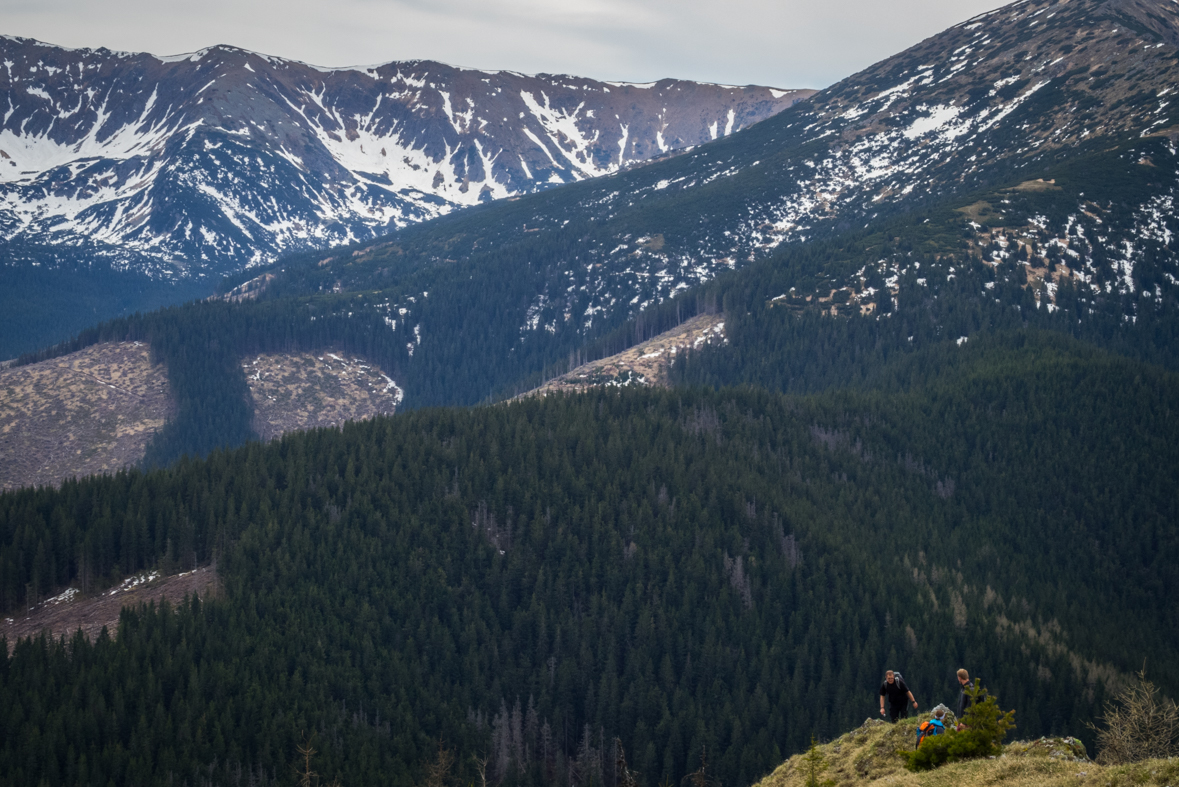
x,y
781,43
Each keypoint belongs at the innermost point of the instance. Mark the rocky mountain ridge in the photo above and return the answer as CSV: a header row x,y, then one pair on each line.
x,y
215,160
1018,90
870,754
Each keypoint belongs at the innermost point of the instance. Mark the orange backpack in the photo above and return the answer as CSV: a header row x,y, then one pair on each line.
x,y
929,728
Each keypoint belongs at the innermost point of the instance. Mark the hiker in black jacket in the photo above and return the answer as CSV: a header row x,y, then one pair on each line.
x,y
964,700
896,690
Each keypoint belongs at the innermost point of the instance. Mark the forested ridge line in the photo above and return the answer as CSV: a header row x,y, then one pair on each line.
x,y
508,308
729,569
467,329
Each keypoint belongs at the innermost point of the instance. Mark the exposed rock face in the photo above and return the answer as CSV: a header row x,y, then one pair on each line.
x,y
208,162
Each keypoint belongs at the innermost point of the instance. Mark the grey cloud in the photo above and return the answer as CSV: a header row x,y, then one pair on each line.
x,y
788,43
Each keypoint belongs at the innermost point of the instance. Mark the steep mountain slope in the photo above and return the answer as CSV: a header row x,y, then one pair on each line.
x,y
495,299
1047,123
186,165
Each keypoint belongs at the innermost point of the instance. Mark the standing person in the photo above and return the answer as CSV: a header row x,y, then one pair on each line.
x,y
964,699
897,692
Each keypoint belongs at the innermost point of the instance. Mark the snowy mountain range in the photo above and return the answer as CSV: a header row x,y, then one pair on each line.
x,y
208,162
1038,143
1007,98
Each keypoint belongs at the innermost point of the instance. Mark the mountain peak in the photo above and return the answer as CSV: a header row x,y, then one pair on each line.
x,y
1093,56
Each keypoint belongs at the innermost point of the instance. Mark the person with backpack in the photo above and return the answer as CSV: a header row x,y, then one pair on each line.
x,y
895,689
935,726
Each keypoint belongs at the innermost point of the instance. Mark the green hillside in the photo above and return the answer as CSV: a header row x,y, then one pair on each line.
x,y
678,569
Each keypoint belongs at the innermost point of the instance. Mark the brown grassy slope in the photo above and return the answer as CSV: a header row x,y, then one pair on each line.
x,y
868,756
305,391
95,410
89,412
643,364
70,611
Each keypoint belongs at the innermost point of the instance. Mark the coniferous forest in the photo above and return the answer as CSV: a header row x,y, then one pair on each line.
x,y
687,570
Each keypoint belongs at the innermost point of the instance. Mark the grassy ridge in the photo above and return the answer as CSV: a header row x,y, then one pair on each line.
x,y
868,755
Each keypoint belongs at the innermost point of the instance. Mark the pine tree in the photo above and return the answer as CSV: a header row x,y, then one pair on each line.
x,y
814,765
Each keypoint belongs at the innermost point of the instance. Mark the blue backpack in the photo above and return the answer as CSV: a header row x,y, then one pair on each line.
x,y
929,728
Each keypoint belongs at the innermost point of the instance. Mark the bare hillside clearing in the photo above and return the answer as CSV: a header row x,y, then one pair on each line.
x,y
71,610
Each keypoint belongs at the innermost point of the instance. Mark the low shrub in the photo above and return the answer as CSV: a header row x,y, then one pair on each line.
x,y
933,751
985,728
1139,724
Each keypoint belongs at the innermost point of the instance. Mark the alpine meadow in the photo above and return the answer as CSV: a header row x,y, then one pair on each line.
x,y
914,407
